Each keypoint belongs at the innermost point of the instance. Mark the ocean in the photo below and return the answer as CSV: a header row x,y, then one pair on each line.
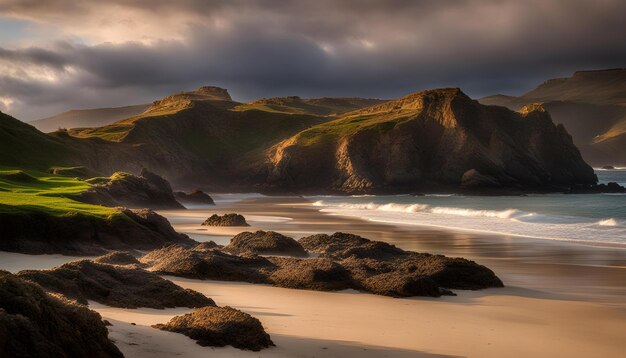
x,y
593,218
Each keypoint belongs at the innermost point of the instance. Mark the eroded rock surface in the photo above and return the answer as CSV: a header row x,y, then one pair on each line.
x,y
226,220
35,324
117,280
266,243
219,327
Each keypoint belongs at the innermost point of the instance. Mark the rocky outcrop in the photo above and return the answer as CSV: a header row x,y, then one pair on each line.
x,y
212,264
195,197
35,324
116,280
426,141
611,187
219,327
386,269
266,243
148,190
345,262
226,220
128,229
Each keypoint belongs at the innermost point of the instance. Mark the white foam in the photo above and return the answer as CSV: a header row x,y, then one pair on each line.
x,y
607,222
508,221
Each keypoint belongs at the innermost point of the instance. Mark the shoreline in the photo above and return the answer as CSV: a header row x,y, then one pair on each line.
x,y
560,299
563,269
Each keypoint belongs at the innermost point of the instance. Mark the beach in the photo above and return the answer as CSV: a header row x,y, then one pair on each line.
x,y
561,299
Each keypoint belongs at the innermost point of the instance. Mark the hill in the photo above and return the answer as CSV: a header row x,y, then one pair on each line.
x,y
22,145
87,118
591,105
197,138
324,106
437,138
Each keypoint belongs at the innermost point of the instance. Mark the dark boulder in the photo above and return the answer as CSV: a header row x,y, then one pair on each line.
x,y
195,197
266,243
208,264
35,324
123,284
219,327
226,220
128,229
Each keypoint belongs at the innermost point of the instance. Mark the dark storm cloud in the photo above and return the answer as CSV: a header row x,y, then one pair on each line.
x,y
308,48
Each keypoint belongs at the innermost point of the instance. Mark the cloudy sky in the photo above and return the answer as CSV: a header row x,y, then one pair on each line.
x,y
62,54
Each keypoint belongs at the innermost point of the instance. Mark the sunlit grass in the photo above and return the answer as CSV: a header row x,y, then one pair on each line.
x,y
28,191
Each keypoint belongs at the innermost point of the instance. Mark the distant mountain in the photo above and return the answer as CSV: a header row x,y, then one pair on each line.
x,y
428,140
85,118
591,105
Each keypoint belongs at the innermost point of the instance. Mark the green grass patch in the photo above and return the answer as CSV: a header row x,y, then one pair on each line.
x,y
28,191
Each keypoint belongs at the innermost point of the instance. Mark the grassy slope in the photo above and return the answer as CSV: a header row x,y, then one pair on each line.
x,y
29,191
351,124
21,145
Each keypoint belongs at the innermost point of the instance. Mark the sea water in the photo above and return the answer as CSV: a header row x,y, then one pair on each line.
x,y
597,218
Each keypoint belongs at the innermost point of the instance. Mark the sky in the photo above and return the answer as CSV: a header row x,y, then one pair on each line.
x,y
57,55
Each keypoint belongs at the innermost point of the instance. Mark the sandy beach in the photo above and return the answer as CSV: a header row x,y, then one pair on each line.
x,y
560,300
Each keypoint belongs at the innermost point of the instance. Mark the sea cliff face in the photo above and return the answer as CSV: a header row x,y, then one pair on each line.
x,y
431,138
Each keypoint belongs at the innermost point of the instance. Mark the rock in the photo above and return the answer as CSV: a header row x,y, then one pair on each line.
x,y
266,243
195,197
226,220
207,245
126,285
385,269
473,179
608,167
345,261
219,327
148,190
35,324
211,264
130,229
319,274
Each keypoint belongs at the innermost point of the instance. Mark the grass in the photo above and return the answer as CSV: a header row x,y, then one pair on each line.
x,y
29,191
338,128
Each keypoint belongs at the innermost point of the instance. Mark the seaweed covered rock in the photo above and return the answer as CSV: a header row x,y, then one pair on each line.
x,y
345,261
226,220
35,324
208,264
219,327
115,280
78,234
197,197
367,259
266,243
319,274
